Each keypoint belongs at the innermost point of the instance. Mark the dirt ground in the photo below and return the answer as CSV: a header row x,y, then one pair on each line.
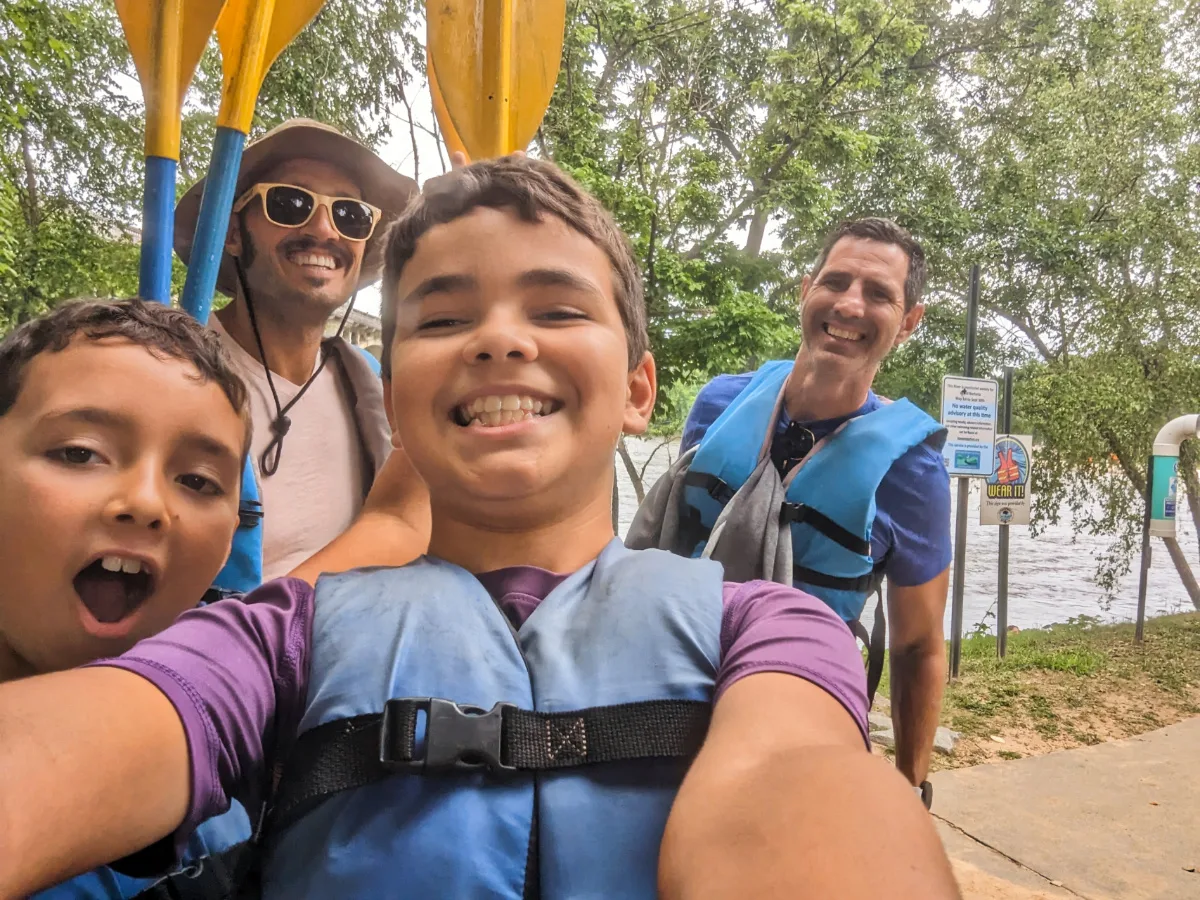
x,y
1069,686
1059,688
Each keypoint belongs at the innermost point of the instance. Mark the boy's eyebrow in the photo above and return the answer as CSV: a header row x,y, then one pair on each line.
x,y
558,278
93,415
439,284
210,446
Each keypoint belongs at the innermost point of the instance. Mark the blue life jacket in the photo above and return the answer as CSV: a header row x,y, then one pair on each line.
x,y
630,626
204,852
831,496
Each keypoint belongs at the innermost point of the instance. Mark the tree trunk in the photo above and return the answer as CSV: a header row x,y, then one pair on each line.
x,y
631,470
758,230
32,207
1184,570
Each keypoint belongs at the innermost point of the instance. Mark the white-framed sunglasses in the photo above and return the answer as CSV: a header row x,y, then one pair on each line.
x,y
290,206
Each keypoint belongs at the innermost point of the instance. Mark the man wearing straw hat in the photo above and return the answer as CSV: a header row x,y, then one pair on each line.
x,y
310,207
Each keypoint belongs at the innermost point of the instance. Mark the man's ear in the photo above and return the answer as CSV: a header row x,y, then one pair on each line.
x,y
233,237
805,284
911,320
639,398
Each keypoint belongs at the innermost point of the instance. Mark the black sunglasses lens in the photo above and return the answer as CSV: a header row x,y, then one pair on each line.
x,y
352,219
288,205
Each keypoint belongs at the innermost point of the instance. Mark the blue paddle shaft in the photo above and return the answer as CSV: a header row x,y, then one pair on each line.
x,y
213,222
158,226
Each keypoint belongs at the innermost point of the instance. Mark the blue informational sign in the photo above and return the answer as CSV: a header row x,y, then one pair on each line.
x,y
969,416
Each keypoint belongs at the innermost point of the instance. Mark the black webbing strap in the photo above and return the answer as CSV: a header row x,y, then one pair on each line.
x,y
801,513
692,530
355,752
876,644
710,484
863,584
217,877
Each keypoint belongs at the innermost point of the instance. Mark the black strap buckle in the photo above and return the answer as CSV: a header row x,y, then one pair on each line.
x,y
250,514
927,794
456,737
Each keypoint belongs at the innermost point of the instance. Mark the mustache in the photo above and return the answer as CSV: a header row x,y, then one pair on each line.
x,y
305,244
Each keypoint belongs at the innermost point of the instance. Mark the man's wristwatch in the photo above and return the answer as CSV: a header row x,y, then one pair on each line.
x,y
925,792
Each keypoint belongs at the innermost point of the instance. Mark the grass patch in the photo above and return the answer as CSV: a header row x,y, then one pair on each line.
x,y
1070,685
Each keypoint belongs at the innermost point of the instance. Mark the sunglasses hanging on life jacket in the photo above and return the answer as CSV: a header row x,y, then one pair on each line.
x,y
790,447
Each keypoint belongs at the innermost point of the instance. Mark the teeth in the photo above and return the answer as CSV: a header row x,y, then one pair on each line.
x,y
844,335
320,260
502,410
119,564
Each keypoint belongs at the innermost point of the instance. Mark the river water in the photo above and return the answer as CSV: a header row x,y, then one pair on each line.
x,y
1050,577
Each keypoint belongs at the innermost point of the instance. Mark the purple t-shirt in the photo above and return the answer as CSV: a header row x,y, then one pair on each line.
x,y
237,671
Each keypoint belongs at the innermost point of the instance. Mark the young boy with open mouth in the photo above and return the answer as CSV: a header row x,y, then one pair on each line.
x,y
528,710
122,432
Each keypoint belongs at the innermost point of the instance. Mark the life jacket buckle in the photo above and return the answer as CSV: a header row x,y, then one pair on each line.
x,y
250,514
456,737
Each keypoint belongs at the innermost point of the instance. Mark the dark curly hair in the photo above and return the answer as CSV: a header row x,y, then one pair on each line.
x,y
531,188
165,332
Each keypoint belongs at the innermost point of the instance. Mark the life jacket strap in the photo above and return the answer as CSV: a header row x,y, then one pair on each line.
x,y
876,644
250,513
862,584
361,750
710,484
217,877
802,513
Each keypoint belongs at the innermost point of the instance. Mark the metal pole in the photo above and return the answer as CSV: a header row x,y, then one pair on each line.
x,y
1002,576
1144,574
964,489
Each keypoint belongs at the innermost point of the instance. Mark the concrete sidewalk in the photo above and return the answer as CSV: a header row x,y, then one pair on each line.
x,y
1117,821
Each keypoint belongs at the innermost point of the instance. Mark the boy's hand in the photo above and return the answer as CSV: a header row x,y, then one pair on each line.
x,y
781,799
93,767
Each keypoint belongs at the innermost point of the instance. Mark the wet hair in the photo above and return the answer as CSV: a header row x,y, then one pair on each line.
x,y
532,189
167,333
885,231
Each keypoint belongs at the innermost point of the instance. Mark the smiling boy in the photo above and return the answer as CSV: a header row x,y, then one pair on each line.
x,y
516,354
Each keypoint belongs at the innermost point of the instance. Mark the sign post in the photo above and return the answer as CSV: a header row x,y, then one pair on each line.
x,y
969,416
1162,485
1006,501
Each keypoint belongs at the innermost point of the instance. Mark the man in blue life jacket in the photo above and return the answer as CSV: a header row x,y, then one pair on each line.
x,y
530,709
310,210
801,474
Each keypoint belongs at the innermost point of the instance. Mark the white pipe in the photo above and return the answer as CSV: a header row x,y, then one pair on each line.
x,y
1174,433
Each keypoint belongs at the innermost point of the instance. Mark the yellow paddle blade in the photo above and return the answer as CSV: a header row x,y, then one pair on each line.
x,y
449,136
496,63
252,34
166,39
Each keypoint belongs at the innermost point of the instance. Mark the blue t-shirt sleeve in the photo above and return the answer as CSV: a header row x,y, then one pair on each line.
x,y
710,403
912,521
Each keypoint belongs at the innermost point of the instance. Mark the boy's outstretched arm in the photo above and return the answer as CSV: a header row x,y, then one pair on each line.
x,y
783,801
93,767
